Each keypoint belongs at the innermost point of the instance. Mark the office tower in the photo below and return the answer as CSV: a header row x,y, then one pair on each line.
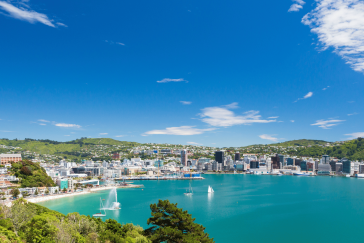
x,y
325,159
184,157
220,157
290,161
276,162
237,156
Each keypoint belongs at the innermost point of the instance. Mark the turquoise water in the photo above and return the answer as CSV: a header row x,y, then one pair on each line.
x,y
246,208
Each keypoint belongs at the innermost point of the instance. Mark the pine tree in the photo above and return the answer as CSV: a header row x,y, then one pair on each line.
x,y
172,224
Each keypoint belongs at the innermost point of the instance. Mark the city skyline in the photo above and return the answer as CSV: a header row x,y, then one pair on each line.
x,y
199,73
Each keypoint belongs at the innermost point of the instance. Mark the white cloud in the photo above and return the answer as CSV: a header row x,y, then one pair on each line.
x,y
327,124
61,24
119,43
67,125
194,143
292,120
326,88
273,117
103,133
308,95
355,135
120,136
295,8
186,102
112,43
67,135
42,124
183,130
352,114
223,117
42,120
167,80
24,14
268,137
340,24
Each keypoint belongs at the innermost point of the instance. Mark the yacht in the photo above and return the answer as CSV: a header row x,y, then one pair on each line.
x,y
189,192
101,208
210,190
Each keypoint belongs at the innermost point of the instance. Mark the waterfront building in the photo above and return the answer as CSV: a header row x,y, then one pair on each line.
x,y
62,183
346,165
338,167
323,169
184,157
254,165
237,156
276,163
9,158
216,166
297,162
325,159
220,157
310,166
361,169
290,161
304,165
333,165
281,160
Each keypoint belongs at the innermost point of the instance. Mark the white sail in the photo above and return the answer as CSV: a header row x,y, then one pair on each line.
x,y
210,189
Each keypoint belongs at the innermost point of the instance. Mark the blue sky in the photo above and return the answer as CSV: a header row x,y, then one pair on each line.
x,y
215,73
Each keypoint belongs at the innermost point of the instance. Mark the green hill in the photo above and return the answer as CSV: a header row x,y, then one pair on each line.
x,y
301,142
31,174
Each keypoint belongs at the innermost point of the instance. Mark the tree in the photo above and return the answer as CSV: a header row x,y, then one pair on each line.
x,y
172,224
47,191
15,192
56,191
36,192
64,190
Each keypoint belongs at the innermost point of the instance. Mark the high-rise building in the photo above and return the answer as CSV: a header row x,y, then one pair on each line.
x,y
237,156
325,159
281,160
184,157
220,157
346,165
276,162
290,161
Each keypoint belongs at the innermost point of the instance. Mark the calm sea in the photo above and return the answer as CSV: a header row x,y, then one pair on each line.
x,y
246,208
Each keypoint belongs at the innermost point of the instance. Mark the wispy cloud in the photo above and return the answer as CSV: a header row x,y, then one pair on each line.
x,y
5,131
340,24
273,117
24,13
268,137
326,88
167,80
103,133
193,143
296,6
67,125
308,95
355,135
186,102
183,130
61,24
292,120
223,117
67,135
327,124
352,114
42,124
116,43
42,120
120,136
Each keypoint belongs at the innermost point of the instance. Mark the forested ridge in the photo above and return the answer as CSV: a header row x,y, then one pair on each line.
x,y
29,222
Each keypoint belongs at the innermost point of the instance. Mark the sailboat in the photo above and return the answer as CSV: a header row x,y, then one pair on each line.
x,y
190,191
100,214
210,190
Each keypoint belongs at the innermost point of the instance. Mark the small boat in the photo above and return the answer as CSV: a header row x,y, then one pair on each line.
x,y
301,174
189,192
100,214
210,190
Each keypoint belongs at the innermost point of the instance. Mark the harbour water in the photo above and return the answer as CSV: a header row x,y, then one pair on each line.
x,y
246,208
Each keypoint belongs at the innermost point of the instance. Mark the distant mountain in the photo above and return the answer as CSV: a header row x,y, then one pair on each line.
x,y
301,142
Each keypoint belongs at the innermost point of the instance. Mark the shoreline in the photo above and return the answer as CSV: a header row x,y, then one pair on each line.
x,y
70,194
